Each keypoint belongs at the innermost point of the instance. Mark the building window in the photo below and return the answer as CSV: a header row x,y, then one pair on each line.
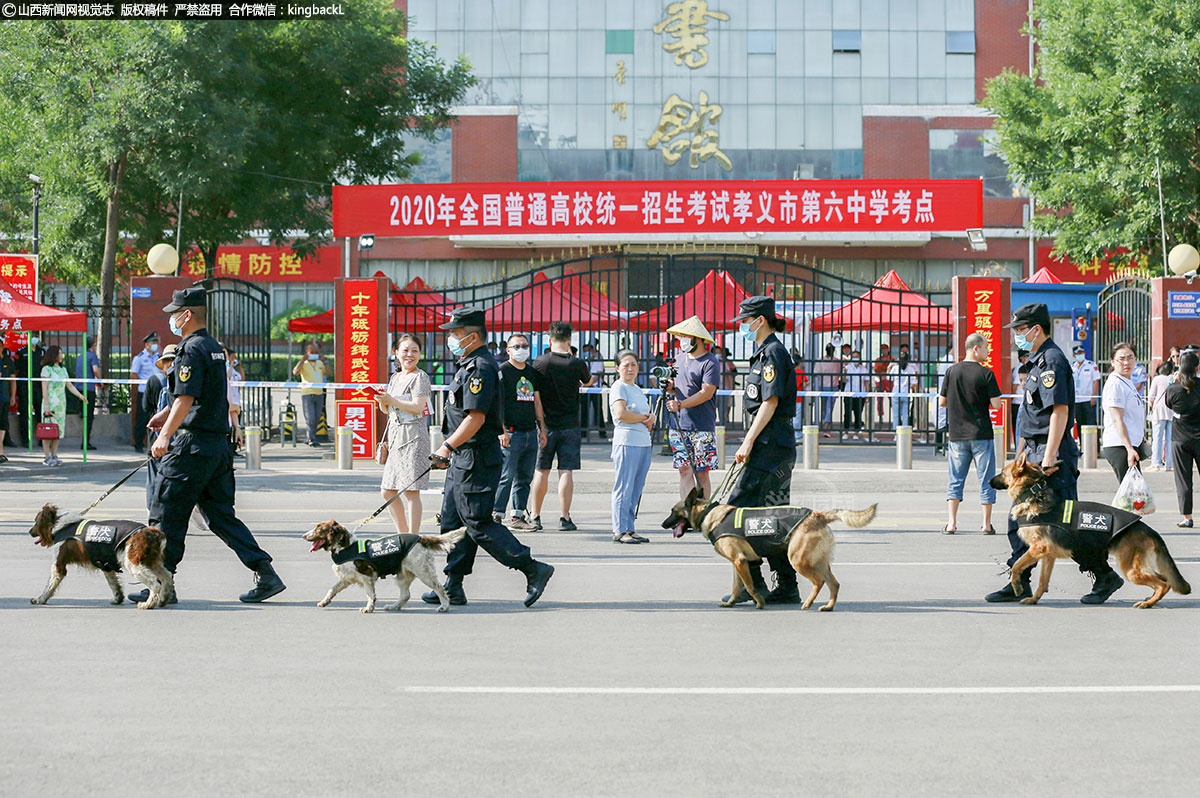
x,y
760,41
621,41
848,41
960,41
969,154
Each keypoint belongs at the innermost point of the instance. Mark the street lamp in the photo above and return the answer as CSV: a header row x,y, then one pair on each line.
x,y
365,242
977,240
37,199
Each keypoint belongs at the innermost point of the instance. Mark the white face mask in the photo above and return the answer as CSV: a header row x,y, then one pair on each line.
x,y
519,353
688,345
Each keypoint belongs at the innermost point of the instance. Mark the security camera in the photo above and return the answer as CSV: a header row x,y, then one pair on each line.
x,y
1190,276
35,179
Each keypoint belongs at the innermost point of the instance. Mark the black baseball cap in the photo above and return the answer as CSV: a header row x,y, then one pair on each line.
x,y
465,317
194,297
1029,315
756,306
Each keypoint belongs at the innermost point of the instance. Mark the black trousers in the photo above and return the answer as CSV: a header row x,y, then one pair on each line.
x,y
766,481
139,417
467,500
1118,458
91,416
1186,453
200,473
1064,484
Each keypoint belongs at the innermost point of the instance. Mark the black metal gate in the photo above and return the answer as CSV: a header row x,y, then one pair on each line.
x,y
1123,314
604,293
239,316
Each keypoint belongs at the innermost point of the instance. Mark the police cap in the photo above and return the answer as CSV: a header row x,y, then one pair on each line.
x,y
1077,349
465,317
151,337
756,306
194,297
1029,315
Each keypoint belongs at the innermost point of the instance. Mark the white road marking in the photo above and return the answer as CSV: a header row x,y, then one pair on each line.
x,y
741,691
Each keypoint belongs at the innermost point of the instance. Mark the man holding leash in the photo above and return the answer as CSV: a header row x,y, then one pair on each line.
x,y
768,453
473,424
693,435
196,461
1047,416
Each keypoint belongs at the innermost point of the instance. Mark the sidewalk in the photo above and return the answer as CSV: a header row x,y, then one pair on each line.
x,y
23,463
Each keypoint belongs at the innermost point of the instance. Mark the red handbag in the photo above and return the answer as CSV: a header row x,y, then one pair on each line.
x,y
46,431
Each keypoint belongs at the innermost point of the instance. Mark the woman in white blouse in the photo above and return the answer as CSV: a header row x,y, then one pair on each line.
x,y
1161,418
1123,442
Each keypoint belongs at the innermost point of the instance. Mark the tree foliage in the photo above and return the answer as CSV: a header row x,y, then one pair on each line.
x,y
1115,87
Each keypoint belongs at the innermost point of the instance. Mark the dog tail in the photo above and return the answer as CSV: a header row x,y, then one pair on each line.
x,y
1170,570
442,543
851,518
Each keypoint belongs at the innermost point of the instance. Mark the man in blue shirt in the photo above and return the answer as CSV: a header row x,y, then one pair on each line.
x,y
140,369
87,367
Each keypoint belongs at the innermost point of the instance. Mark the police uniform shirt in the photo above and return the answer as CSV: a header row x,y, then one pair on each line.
x,y
143,366
476,386
1086,377
199,372
1050,382
772,374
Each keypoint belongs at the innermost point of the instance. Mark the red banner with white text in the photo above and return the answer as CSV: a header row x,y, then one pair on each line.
x,y
267,264
21,272
359,417
361,334
627,207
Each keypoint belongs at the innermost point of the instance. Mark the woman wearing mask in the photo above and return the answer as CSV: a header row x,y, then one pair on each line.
x,y
1183,397
54,400
632,422
904,381
406,404
1161,417
857,377
1124,438
234,374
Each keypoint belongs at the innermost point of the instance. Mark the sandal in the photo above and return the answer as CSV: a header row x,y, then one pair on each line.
x,y
991,530
946,530
638,537
626,538
3,458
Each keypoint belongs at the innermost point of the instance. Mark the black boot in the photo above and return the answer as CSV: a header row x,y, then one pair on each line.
x,y
1006,593
537,578
454,591
266,584
1106,584
759,584
139,597
785,592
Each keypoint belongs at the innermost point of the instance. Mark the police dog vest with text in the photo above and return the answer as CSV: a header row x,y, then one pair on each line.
x,y
385,555
766,529
1083,525
102,540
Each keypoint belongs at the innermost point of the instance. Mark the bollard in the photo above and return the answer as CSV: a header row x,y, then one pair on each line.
x,y
1087,442
1000,442
904,448
254,448
345,449
721,447
435,439
812,444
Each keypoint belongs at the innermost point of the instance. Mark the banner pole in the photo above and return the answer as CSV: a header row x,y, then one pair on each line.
x,y
83,354
29,387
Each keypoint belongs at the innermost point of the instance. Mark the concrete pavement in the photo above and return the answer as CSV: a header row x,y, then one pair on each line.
x,y
625,679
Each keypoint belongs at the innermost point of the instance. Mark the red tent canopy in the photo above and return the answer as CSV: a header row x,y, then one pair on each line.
x,y
18,313
577,285
320,323
543,301
889,306
418,292
1044,276
715,299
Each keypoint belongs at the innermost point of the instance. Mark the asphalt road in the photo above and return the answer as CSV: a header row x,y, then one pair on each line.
x,y
626,679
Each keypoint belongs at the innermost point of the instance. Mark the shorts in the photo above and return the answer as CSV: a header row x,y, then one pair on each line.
x,y
692,448
563,443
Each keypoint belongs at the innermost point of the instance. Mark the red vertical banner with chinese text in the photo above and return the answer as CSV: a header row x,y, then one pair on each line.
x,y
21,272
361,325
359,418
982,305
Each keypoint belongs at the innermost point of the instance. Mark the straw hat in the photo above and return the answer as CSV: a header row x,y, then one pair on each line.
x,y
168,353
691,328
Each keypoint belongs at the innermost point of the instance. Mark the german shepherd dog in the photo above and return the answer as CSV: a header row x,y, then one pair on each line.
x,y
1140,551
810,545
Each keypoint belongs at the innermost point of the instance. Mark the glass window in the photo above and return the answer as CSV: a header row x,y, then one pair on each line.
x,y
534,41
535,65
903,15
846,15
590,14
931,91
960,90
434,166
789,126
422,16
563,45
618,41
590,53
818,90
760,41
534,90
874,15
760,66
960,41
931,15
818,53
789,59
847,65
789,15
931,61
847,41
847,164
562,91
874,56
903,53
969,154
960,66
762,127
847,127
875,91
847,91
562,16
960,14
818,14
818,127
904,91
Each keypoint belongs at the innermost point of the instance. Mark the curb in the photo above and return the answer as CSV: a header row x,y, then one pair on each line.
x,y
9,471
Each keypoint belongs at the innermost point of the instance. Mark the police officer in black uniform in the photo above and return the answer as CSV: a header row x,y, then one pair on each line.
x,y
1046,419
768,453
196,465
472,426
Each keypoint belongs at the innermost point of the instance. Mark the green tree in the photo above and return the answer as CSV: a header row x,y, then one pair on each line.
x,y
1115,88
297,310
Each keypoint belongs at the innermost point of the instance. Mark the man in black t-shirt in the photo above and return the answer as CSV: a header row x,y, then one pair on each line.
x,y
524,431
562,374
969,393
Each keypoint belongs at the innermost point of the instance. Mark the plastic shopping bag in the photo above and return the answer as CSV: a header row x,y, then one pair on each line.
x,y
1134,494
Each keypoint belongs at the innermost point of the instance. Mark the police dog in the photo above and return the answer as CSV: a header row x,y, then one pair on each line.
x,y
418,563
809,545
1140,551
140,553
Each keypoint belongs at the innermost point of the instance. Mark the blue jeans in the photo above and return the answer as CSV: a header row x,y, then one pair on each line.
x,y
519,459
631,464
1161,453
827,408
313,403
959,461
902,405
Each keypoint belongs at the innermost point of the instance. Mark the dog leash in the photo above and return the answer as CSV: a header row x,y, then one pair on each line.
x,y
121,482
437,462
728,482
